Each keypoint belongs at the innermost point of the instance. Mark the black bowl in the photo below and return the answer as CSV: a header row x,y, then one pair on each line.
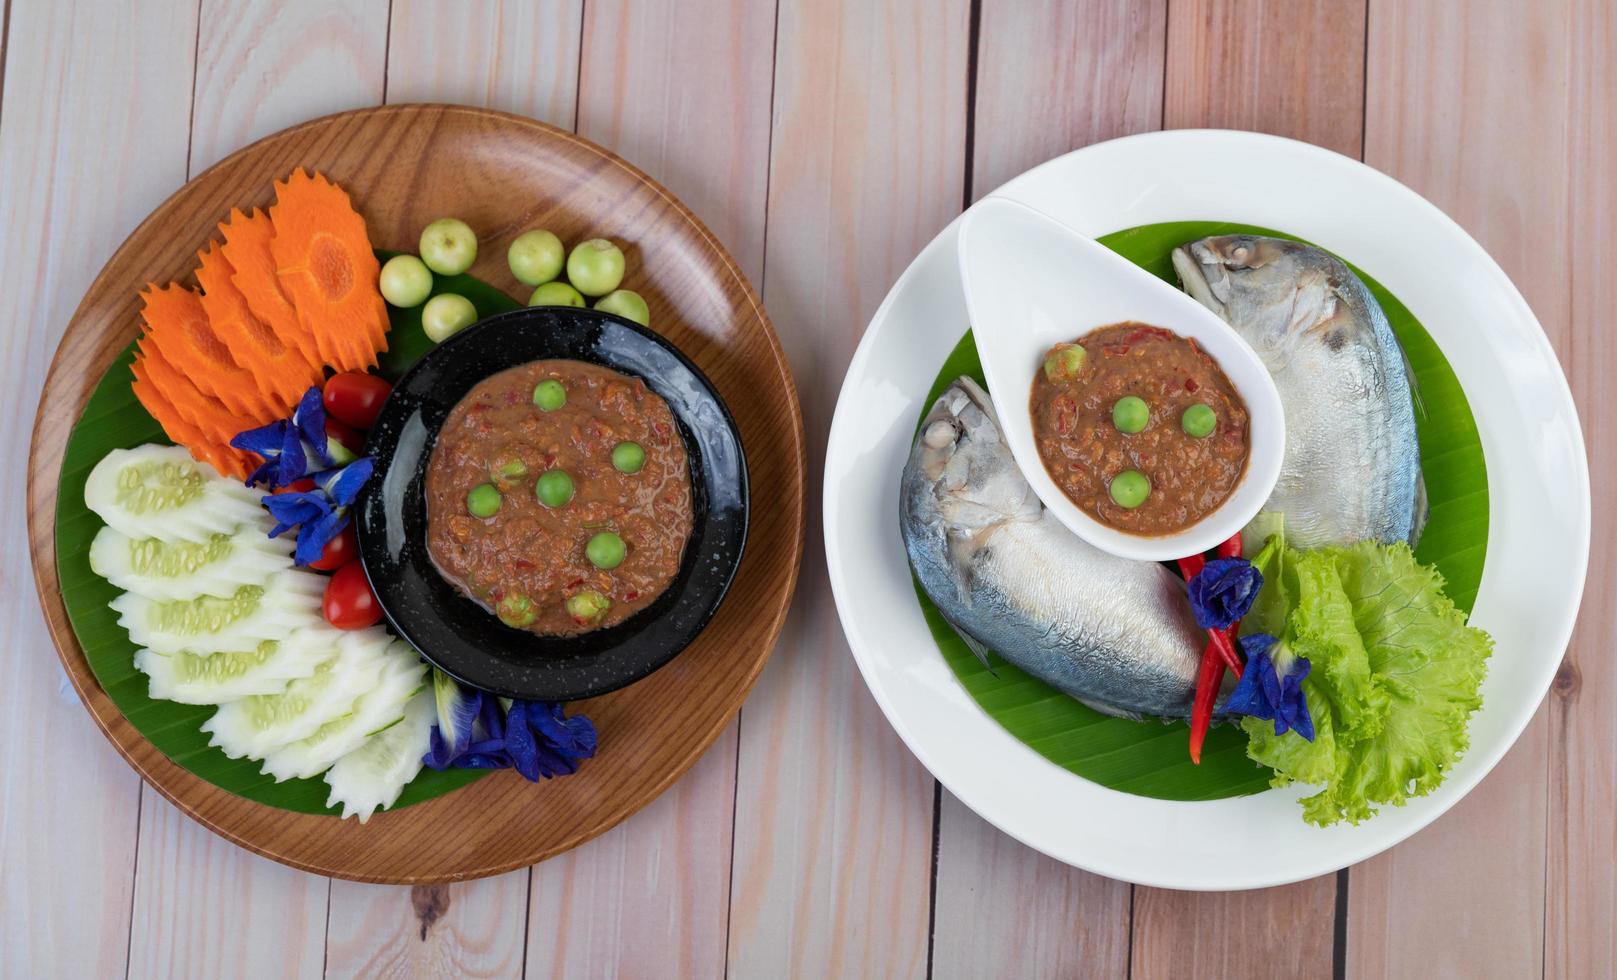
x,y
464,639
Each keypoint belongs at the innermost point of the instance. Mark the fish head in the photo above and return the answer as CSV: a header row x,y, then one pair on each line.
x,y
1276,293
962,467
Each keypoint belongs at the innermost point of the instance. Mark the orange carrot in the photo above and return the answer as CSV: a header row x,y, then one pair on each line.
x,y
226,459
247,249
326,267
214,423
177,325
280,371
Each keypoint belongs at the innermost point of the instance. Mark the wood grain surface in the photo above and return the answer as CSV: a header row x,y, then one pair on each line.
x,y
502,174
1579,879
69,806
823,143
834,818
1289,67
240,99
1459,121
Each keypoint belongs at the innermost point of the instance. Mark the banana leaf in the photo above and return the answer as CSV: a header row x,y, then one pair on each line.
x,y
114,419
1149,758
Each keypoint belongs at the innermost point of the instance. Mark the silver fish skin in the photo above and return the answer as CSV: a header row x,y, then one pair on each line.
x,y
1352,464
1008,575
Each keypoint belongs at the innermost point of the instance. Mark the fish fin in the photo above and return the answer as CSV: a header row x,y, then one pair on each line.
x,y
1423,509
1109,709
977,647
1414,383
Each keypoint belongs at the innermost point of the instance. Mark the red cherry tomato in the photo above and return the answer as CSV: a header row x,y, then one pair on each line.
x,y
350,604
355,397
351,440
297,486
339,551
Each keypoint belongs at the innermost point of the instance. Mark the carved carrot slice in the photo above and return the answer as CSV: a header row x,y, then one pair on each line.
x,y
214,423
326,267
178,326
226,459
247,249
280,371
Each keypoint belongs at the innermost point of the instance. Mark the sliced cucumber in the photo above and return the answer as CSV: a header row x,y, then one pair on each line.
x,y
161,492
266,668
255,726
371,777
375,710
288,600
170,570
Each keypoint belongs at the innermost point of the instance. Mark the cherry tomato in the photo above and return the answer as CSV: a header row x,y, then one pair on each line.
x,y
356,397
350,604
339,551
297,486
350,439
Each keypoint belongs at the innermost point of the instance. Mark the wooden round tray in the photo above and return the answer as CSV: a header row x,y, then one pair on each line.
x,y
404,166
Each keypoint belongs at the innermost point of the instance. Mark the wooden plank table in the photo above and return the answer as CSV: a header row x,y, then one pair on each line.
x,y
825,141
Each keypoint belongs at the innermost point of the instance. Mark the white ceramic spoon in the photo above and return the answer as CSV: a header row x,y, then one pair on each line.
x,y
1032,282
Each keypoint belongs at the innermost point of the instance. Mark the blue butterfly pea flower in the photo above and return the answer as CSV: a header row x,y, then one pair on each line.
x,y
543,742
476,730
281,448
1271,686
342,484
475,738
309,418
1223,591
319,514
291,447
294,509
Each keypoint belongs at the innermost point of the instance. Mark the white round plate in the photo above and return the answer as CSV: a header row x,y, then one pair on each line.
x,y
1538,482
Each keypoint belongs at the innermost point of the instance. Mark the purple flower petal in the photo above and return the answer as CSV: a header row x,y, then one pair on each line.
x,y
314,535
281,449
490,721
342,484
535,738
521,745
1294,703
572,737
439,753
1263,692
457,709
294,509
266,440
1223,591
559,742
310,421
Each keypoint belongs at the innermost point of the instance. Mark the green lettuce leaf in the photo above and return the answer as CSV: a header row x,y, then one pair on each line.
x,y
1395,676
1276,598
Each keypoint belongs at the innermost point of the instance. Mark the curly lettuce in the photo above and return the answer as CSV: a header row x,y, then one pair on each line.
x,y
1396,671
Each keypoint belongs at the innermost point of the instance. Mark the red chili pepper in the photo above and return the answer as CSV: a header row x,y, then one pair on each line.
x,y
1226,649
1208,680
1217,656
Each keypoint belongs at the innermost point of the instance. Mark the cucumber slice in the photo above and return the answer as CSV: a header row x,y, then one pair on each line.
x,y
255,726
375,710
288,600
161,492
263,669
170,570
371,777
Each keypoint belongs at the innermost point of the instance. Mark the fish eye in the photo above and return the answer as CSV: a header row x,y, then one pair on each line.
x,y
1240,252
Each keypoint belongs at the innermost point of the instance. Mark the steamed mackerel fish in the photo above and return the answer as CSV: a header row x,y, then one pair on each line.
x,y
1352,465
1114,633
